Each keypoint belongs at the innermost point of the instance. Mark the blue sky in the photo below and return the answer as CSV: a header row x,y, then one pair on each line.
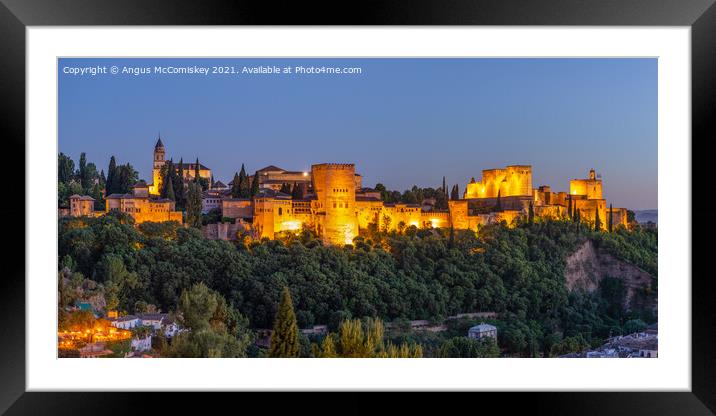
x,y
401,121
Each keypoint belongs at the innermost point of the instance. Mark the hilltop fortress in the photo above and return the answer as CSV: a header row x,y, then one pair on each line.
x,y
336,207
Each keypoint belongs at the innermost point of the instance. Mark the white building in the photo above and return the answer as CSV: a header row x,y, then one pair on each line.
x,y
124,322
142,344
154,320
481,331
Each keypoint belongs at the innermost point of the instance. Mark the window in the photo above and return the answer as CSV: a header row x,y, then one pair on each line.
x,y
280,211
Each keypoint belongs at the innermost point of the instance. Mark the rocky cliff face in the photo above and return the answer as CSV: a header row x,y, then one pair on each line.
x,y
587,266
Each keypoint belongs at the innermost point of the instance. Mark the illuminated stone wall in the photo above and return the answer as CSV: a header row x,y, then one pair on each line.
x,y
237,208
458,214
334,186
145,209
591,188
619,217
587,211
398,214
515,180
81,206
368,211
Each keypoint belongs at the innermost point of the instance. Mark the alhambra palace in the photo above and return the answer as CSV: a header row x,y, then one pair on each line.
x,y
337,207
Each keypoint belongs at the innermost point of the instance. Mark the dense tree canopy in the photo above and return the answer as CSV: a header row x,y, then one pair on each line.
x,y
515,272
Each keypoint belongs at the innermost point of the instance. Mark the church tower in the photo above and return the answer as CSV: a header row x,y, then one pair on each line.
x,y
159,161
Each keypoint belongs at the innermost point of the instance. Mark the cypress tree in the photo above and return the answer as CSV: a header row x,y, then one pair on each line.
x,y
179,184
102,179
111,187
455,193
597,221
445,191
255,185
170,191
167,177
609,224
498,206
569,207
196,171
296,192
193,205
531,214
244,182
235,186
284,338
82,173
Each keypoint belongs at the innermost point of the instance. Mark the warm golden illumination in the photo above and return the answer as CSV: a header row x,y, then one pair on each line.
x,y
291,225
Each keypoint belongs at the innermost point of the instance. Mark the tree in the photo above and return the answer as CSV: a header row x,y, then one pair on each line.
x,y
455,193
498,205
284,338
197,176
255,185
179,185
463,347
96,193
297,191
167,176
65,168
170,191
597,221
127,178
236,186
328,348
243,189
569,207
193,205
82,172
215,329
112,178
610,222
531,214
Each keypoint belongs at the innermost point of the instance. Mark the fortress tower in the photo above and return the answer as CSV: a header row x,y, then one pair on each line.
x,y
159,162
514,180
335,205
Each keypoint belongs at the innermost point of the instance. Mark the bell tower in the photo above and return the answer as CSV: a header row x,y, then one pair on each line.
x,y
158,163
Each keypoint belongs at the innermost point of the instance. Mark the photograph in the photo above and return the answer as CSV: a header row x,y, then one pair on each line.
x,y
357,207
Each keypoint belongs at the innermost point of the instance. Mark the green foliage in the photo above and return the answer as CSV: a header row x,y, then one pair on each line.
x,y
569,345
516,272
363,339
193,205
255,185
463,347
215,329
284,338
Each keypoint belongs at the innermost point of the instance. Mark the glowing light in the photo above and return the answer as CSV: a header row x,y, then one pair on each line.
x,y
574,192
291,225
305,174
434,222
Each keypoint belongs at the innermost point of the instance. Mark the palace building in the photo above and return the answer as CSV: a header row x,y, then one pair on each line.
x,y
336,207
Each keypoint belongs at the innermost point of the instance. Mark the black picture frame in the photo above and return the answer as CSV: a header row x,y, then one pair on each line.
x,y
16,15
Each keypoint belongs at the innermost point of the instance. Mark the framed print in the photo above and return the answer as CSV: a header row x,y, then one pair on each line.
x,y
244,204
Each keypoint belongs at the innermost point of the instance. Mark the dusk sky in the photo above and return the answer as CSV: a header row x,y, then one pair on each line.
x,y
403,122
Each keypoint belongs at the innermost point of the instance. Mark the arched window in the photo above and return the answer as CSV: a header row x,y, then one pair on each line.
x,y
280,211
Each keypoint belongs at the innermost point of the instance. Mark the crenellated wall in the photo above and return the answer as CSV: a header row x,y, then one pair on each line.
x,y
514,180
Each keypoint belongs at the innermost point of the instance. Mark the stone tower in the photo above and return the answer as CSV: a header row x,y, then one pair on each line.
x,y
334,184
159,162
